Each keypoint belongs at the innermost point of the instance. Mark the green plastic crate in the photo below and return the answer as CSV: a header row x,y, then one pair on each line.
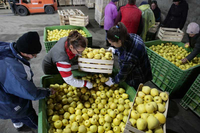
x,y
166,75
47,80
192,97
49,45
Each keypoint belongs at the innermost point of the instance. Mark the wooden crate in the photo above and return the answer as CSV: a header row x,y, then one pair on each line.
x,y
78,19
64,17
130,129
154,28
170,34
96,65
90,5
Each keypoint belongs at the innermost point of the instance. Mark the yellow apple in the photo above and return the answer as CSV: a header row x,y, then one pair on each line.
x,y
141,94
146,89
154,92
138,100
58,124
152,122
149,108
141,124
161,118
161,108
164,96
141,108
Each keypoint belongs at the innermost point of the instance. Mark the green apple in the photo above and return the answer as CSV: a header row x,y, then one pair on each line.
x,y
161,118
154,92
100,129
107,118
138,100
161,108
82,129
107,126
152,122
158,130
148,98
133,122
134,114
149,108
164,96
146,89
116,121
157,99
141,108
141,94
58,124
141,124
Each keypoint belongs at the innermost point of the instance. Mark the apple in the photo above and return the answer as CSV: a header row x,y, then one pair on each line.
x,y
161,108
121,101
138,100
64,122
125,96
148,98
94,105
91,100
93,121
66,130
125,118
141,94
103,95
84,110
80,106
90,112
119,116
154,92
157,99
133,122
126,112
141,124
100,129
90,55
79,118
120,108
116,121
155,105
102,50
164,96
106,106
74,127
134,114
144,116
98,100
158,130
58,124
82,129
149,108
116,129
146,89
152,122
149,131
50,112
55,117
113,105
71,110
116,111
96,110
87,123
161,118
78,112
126,106
103,111
112,114
107,126
59,130
107,118
100,106
141,108
85,116
72,117
108,94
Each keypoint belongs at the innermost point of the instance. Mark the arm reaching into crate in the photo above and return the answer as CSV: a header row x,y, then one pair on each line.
x,y
64,69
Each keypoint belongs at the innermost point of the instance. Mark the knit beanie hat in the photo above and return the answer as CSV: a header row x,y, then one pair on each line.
x,y
29,43
143,3
176,0
115,0
193,28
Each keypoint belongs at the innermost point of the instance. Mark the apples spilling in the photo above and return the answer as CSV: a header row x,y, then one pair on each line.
x,y
101,109
174,54
97,54
55,35
147,113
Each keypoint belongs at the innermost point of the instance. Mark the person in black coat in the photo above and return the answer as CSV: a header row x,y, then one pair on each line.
x,y
156,11
177,15
193,32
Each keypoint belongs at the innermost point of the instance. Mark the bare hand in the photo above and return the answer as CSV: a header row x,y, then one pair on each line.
x,y
52,91
185,60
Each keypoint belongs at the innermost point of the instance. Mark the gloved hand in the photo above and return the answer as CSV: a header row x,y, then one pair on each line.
x,y
109,82
111,49
89,85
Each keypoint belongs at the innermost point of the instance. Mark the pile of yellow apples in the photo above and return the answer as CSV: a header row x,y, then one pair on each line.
x,y
97,54
56,34
174,54
101,109
147,112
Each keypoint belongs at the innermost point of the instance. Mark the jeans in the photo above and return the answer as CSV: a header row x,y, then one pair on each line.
x,y
31,120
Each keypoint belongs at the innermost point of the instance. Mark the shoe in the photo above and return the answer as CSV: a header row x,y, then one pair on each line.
x,y
18,125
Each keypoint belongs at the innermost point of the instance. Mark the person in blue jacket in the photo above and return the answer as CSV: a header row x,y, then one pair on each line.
x,y
17,89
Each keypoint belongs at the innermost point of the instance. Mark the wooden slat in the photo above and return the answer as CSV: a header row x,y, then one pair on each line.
x,y
95,65
95,70
96,61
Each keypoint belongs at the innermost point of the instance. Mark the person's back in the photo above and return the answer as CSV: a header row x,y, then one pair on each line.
x,y
148,19
131,16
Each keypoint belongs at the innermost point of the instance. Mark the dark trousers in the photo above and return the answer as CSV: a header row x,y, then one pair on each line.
x,y
31,120
107,43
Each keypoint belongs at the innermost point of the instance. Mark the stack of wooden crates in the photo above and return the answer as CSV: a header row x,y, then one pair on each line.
x,y
90,3
73,17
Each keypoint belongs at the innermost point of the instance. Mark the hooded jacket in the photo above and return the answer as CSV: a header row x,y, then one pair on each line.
x,y
177,15
16,85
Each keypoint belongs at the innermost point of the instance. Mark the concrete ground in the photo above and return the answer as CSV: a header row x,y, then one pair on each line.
x,y
12,27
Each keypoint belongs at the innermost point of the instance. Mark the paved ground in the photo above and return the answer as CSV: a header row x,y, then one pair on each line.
x,y
11,27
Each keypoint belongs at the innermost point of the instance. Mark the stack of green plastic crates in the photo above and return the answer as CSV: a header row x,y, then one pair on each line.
x,y
49,45
192,97
166,75
57,79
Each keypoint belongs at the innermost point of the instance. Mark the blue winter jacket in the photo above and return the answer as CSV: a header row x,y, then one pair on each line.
x,y
16,86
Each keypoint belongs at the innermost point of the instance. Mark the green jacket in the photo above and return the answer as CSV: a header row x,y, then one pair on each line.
x,y
148,19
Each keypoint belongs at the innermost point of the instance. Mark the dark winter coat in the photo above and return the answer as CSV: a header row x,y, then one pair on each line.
x,y
157,14
177,15
195,44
